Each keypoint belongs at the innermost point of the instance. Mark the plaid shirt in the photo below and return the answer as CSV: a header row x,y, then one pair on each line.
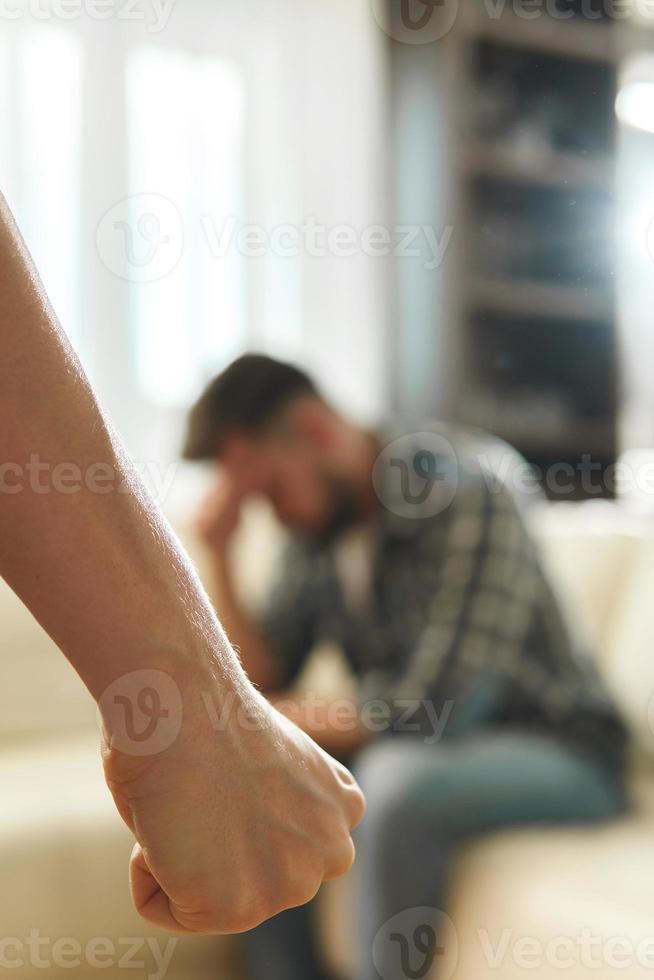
x,y
459,613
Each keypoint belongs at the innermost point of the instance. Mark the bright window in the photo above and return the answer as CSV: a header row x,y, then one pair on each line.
x,y
131,164
185,117
40,158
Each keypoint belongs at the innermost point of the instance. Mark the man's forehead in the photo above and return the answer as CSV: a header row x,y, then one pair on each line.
x,y
247,461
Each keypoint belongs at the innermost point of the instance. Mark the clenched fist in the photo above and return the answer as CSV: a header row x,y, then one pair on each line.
x,y
241,817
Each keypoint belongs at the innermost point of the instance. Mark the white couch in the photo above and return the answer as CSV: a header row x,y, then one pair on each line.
x,y
530,903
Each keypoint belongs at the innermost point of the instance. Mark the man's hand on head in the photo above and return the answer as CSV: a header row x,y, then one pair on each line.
x,y
218,515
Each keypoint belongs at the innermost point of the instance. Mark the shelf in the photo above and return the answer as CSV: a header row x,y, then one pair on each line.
x,y
523,297
501,162
572,436
578,39
522,111
577,440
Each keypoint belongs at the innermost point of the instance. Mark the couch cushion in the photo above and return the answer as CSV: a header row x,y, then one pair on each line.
x,y
631,638
589,551
520,899
523,899
39,692
64,854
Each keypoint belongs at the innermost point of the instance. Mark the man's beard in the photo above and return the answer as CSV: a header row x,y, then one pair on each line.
x,y
345,512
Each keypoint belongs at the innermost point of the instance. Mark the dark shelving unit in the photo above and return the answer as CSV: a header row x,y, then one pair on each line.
x,y
524,130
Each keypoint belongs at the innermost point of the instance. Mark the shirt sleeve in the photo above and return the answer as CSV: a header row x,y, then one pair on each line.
x,y
288,620
482,577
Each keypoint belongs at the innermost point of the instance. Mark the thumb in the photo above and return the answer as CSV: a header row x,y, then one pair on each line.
x,y
150,900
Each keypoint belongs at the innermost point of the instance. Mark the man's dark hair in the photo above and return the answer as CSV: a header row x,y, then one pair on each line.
x,y
247,395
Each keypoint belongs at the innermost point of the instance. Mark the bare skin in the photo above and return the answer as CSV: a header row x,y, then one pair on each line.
x,y
216,522
232,825
290,473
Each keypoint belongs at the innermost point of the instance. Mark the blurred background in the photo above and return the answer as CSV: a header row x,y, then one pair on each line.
x,y
438,210
197,132
450,219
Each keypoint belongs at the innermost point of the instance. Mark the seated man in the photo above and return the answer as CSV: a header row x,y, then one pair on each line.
x,y
411,551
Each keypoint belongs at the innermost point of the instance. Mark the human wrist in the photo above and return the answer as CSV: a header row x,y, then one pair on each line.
x,y
145,707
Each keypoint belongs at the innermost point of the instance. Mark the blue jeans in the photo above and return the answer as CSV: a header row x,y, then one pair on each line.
x,y
424,801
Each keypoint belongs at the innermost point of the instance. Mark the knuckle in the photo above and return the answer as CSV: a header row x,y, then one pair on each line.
x,y
303,890
253,900
342,859
357,807
247,914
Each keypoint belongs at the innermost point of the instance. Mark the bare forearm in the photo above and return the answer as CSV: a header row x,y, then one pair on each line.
x,y
80,540
255,655
103,573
